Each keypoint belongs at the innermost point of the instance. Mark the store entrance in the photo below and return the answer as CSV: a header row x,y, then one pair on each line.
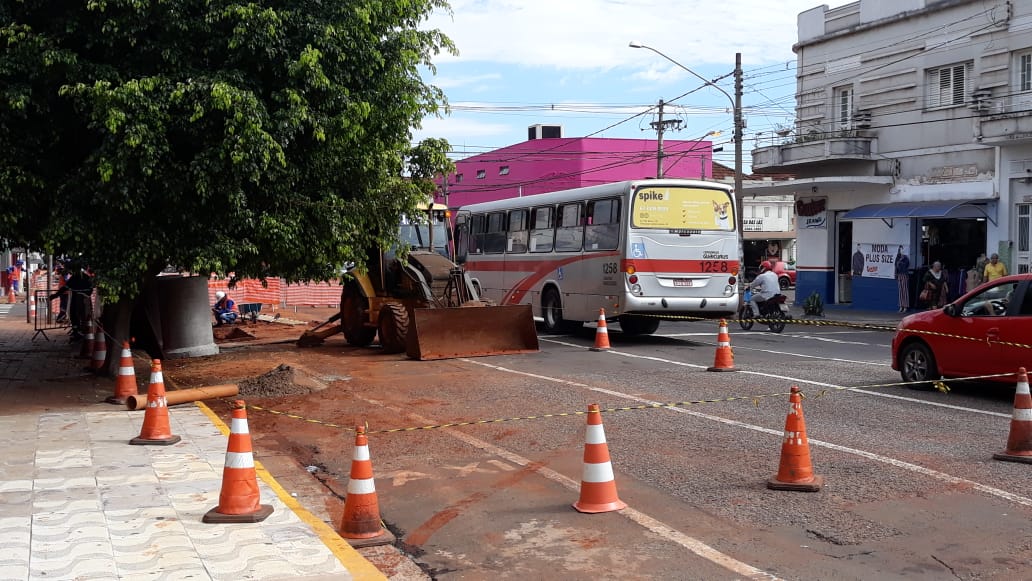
x,y
957,244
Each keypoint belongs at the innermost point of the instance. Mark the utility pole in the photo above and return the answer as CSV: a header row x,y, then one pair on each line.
x,y
739,131
660,127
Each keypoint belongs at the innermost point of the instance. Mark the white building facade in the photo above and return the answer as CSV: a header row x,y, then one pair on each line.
x,y
913,136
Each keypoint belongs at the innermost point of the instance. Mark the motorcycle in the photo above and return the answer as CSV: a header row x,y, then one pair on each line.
x,y
773,310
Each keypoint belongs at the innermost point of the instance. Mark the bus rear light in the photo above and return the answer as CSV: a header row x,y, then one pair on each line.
x,y
630,269
636,289
732,280
633,279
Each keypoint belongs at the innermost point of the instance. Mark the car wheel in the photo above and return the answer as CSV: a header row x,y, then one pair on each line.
x,y
917,365
784,282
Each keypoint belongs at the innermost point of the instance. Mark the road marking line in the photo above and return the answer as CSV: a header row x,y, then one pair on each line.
x,y
671,534
779,433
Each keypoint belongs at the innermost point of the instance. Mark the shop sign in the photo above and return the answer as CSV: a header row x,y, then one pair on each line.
x,y
812,213
877,260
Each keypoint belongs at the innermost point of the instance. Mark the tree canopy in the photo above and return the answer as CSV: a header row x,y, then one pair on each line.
x,y
260,138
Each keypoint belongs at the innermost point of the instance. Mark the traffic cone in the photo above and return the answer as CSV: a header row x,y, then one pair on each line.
x,y
795,471
725,357
601,333
360,524
99,356
11,297
239,499
1019,442
32,307
125,383
598,485
156,430
86,348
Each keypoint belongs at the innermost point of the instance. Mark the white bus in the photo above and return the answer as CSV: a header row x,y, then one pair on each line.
x,y
642,250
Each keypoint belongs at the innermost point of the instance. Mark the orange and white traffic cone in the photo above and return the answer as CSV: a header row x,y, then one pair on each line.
x,y
1019,441
11,296
598,485
86,348
156,429
795,471
32,307
99,350
360,524
725,357
239,500
125,383
601,333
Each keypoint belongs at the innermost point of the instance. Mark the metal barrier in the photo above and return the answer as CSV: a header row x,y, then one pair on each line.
x,y
53,315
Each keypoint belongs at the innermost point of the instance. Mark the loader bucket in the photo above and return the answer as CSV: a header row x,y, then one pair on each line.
x,y
471,332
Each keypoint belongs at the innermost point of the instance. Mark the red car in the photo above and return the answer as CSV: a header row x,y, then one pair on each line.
x,y
786,274
986,331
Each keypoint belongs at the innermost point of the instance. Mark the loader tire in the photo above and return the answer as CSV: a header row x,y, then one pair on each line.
x,y
352,318
393,327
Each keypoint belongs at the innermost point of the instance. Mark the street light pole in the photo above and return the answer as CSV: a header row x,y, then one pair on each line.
x,y
736,104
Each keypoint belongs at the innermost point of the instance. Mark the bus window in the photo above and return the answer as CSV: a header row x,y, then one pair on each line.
x,y
517,242
494,240
602,231
542,232
477,231
569,231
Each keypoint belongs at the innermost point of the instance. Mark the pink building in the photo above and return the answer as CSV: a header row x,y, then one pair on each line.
x,y
547,162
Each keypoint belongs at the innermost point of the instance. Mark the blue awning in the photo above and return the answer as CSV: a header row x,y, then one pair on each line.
x,y
936,209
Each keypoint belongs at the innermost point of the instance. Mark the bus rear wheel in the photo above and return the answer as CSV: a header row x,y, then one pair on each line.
x,y
552,312
635,325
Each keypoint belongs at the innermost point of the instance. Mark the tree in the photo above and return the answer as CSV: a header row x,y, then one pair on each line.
x,y
264,139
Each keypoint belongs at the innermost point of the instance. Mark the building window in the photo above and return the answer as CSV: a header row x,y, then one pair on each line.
x,y
481,174
843,108
781,211
458,178
503,170
947,86
1025,72
766,211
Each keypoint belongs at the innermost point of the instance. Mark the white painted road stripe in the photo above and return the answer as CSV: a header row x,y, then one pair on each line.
x,y
1022,500
661,529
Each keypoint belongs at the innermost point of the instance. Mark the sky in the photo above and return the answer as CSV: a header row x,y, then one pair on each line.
x,y
567,62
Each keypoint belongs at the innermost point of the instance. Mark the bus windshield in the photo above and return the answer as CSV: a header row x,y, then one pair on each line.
x,y
682,208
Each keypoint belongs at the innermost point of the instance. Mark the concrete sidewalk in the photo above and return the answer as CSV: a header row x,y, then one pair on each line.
x,y
77,501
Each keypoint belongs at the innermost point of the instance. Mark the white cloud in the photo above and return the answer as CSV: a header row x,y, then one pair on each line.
x,y
593,34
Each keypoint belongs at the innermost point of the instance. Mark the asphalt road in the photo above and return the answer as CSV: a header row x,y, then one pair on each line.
x,y
910,487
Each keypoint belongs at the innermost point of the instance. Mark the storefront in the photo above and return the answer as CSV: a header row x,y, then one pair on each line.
x,y
953,232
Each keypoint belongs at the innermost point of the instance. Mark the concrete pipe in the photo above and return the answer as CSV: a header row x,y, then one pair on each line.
x,y
178,396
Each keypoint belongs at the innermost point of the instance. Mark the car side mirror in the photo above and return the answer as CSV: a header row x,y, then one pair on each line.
x,y
950,309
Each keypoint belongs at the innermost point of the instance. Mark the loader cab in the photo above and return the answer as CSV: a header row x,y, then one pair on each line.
x,y
429,233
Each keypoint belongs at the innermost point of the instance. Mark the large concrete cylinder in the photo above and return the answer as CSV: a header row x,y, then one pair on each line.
x,y
185,317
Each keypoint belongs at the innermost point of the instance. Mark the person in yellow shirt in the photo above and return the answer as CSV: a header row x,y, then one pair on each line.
x,y
994,269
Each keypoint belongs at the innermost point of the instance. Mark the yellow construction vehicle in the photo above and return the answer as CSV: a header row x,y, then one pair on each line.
x,y
424,304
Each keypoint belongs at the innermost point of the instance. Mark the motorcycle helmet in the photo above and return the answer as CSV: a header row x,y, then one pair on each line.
x,y
765,265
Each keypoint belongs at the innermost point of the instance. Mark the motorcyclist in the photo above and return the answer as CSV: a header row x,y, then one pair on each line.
x,y
765,285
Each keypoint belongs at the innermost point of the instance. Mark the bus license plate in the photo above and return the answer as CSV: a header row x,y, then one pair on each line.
x,y
682,282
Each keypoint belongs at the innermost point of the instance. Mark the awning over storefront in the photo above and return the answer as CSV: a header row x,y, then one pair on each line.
x,y
931,209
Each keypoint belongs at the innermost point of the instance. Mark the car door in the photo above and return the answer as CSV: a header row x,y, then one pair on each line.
x,y
972,338
1015,329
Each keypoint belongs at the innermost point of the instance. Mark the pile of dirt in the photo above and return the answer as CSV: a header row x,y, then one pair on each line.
x,y
281,381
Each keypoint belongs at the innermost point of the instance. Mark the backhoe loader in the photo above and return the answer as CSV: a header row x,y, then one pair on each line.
x,y
424,304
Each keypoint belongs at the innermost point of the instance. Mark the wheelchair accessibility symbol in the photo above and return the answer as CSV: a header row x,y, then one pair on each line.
x,y
638,250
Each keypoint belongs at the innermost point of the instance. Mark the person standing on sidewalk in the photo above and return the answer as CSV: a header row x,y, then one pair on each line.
x,y
903,279
995,269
